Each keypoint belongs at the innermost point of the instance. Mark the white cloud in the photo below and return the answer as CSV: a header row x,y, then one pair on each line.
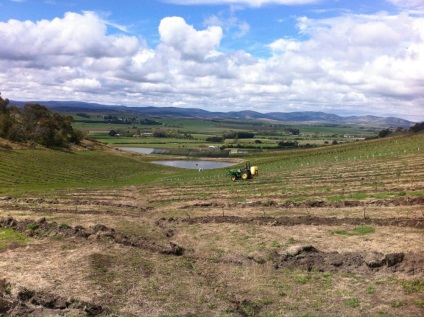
x,y
284,45
82,84
349,64
47,43
229,24
407,3
190,43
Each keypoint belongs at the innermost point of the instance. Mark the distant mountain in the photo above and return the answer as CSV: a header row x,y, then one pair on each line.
x,y
300,116
68,105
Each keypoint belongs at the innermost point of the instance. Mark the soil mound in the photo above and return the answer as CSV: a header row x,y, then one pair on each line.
x,y
308,258
41,228
30,303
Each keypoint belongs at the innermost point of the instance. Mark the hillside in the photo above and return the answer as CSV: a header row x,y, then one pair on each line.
x,y
334,231
305,116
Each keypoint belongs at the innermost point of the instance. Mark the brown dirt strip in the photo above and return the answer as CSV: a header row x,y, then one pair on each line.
x,y
41,201
301,220
316,203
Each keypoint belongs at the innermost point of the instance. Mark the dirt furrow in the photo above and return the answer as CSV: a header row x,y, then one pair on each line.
x,y
315,203
301,220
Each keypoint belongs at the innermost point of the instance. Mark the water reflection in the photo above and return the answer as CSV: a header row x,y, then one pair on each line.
x,y
137,149
190,164
194,164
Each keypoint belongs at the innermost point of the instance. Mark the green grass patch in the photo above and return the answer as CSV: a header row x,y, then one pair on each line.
x,y
370,290
420,303
10,237
353,302
413,286
296,199
357,231
47,169
418,193
357,196
336,198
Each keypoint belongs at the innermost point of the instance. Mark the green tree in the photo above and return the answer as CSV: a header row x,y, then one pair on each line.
x,y
3,104
36,123
417,127
384,133
159,133
112,133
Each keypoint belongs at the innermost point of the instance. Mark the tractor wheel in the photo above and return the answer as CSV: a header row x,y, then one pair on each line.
x,y
244,175
233,178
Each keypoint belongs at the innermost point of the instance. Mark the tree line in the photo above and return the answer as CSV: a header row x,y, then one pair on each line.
x,y
418,127
35,123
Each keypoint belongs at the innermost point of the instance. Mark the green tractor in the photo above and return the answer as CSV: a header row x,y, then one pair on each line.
x,y
244,173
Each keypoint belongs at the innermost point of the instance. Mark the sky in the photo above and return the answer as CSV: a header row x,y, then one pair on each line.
x,y
343,57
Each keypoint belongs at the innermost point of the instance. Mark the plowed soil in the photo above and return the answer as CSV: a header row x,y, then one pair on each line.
x,y
305,220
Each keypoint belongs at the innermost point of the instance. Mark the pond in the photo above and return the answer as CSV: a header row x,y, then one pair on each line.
x,y
137,149
191,164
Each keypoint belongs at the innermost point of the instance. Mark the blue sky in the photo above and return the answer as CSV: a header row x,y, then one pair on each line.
x,y
343,57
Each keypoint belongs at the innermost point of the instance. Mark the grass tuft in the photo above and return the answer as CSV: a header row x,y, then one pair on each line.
x,y
357,231
413,286
10,237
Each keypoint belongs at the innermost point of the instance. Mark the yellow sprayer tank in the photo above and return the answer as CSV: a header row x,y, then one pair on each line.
x,y
254,170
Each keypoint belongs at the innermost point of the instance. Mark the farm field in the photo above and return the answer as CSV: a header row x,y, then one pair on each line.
x,y
331,231
195,132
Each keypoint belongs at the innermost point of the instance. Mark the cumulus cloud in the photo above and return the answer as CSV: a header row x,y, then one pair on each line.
x,y
183,38
53,42
352,64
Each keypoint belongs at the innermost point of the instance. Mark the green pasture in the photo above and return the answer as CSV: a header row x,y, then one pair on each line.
x,y
381,161
200,129
23,170
196,126
149,142
199,141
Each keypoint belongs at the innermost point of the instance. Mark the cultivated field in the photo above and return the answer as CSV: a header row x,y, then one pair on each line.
x,y
328,231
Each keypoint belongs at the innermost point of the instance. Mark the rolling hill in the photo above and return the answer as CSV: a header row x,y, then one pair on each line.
x,y
300,116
